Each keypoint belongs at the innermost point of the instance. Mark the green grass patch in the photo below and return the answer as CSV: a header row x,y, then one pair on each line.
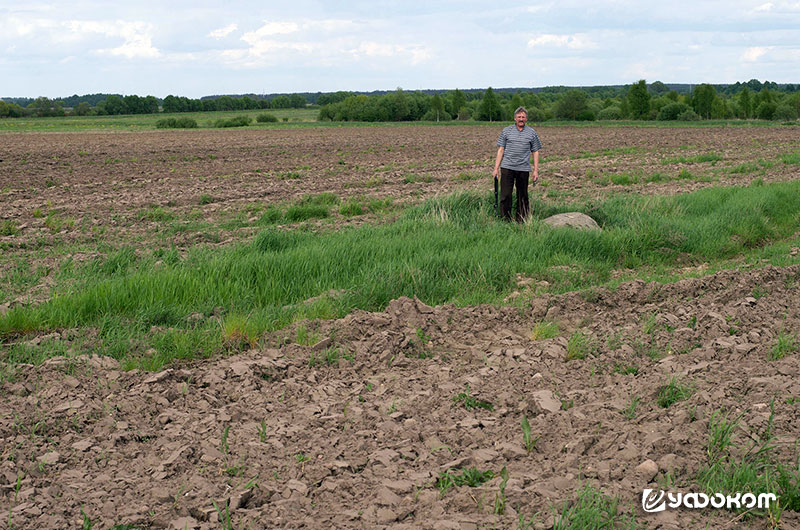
x,y
471,402
578,346
791,159
616,151
177,123
753,466
545,330
472,477
449,249
8,228
675,390
697,159
593,509
411,178
236,121
785,344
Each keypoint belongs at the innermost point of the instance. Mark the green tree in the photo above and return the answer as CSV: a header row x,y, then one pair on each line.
x,y
571,104
745,104
703,100
437,106
114,105
82,109
43,106
639,100
281,102
490,109
766,110
658,88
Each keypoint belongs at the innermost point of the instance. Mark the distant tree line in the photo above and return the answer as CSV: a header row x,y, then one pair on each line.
x,y
114,104
639,101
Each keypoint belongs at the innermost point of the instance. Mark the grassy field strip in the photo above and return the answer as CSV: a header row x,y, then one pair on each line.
x,y
304,118
445,250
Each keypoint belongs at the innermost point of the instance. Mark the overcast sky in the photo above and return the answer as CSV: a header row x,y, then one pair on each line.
x,y
197,48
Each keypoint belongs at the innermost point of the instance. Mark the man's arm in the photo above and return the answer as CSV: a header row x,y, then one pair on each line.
x,y
500,151
535,166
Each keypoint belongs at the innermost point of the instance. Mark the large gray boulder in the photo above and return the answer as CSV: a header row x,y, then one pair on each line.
x,y
577,220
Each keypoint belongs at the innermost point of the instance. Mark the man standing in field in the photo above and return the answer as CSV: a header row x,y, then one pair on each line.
x,y
515,146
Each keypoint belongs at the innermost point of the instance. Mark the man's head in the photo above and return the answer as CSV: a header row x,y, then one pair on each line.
x,y
520,117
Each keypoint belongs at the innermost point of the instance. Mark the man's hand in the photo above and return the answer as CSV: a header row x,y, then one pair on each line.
x,y
495,172
535,175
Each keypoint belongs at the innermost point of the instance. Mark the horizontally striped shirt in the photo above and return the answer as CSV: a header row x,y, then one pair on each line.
x,y
518,146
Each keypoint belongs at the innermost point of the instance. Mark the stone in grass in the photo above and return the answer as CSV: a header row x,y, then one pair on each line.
x,y
577,220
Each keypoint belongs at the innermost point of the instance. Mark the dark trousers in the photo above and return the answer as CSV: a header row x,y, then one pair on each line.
x,y
508,179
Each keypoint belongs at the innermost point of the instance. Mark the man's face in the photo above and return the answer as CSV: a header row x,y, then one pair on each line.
x,y
520,118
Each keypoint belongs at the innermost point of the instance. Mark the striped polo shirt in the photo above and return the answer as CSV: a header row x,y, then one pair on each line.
x,y
518,146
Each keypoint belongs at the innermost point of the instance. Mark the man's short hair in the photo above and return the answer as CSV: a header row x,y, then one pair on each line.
x,y
521,109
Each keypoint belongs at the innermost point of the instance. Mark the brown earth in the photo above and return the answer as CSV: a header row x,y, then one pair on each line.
x,y
286,439
359,443
106,181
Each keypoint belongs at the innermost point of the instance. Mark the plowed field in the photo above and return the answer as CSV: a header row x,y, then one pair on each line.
x,y
281,436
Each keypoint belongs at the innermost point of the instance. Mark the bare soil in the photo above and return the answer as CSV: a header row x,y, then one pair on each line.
x,y
102,180
283,437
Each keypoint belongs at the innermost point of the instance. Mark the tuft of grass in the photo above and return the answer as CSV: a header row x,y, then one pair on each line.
x,y
674,391
630,411
8,228
592,509
472,477
578,346
545,330
785,344
205,198
240,332
470,402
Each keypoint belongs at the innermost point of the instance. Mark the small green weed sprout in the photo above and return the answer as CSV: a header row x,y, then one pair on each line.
x,y
262,431
630,411
471,402
223,444
500,498
530,443
471,477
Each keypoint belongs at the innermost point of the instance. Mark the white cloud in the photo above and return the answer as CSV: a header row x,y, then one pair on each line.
x,y
269,29
414,54
578,41
752,55
765,8
137,36
223,32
